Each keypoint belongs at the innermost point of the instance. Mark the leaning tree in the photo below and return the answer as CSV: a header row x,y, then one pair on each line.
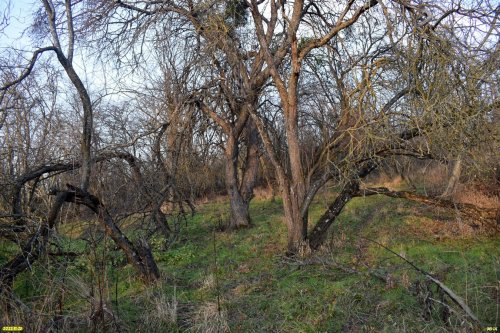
x,y
381,58
56,24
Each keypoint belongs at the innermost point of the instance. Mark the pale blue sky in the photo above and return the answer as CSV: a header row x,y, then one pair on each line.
x,y
15,35
21,14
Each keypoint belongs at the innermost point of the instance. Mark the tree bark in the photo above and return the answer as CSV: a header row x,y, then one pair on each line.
x,y
454,178
251,166
293,217
140,256
318,235
238,207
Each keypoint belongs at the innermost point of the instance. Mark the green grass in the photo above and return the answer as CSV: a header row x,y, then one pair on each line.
x,y
263,292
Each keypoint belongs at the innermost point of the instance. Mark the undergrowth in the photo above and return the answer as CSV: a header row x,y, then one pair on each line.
x,y
214,281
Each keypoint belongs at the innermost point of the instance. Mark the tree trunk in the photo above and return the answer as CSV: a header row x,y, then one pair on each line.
x,y
319,232
296,189
296,236
292,192
293,218
239,216
87,121
139,256
454,178
251,166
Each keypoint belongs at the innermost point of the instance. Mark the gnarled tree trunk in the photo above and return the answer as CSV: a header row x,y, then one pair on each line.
x,y
139,256
240,189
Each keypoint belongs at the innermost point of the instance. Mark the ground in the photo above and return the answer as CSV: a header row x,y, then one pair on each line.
x,y
240,281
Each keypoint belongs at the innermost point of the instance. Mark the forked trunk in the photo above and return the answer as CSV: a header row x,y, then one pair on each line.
x,y
240,185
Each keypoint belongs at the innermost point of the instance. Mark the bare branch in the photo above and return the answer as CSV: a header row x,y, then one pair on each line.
x,y
29,68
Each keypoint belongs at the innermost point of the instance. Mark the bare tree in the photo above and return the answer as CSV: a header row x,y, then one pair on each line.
x,y
277,45
61,28
361,52
231,88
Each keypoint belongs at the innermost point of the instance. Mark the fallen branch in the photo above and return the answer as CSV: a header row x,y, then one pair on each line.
x,y
454,297
467,209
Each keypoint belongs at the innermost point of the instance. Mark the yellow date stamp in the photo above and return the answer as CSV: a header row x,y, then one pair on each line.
x,y
12,328
491,329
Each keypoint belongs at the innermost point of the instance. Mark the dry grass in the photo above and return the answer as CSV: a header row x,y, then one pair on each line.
x,y
472,195
211,198
99,314
265,193
208,282
424,227
392,183
209,318
162,312
43,314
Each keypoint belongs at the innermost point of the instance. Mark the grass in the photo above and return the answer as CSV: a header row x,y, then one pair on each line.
x,y
244,284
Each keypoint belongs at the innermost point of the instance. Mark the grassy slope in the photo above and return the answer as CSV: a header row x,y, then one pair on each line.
x,y
261,291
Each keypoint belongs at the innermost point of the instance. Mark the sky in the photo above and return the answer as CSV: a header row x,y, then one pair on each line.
x,y
21,13
14,35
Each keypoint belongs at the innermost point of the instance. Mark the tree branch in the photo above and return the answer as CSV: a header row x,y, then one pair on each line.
x,y
467,209
28,69
454,297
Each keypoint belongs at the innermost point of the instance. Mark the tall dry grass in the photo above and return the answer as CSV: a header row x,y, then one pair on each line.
x,y
209,318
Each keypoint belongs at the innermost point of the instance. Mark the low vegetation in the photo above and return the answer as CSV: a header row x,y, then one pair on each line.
x,y
219,281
